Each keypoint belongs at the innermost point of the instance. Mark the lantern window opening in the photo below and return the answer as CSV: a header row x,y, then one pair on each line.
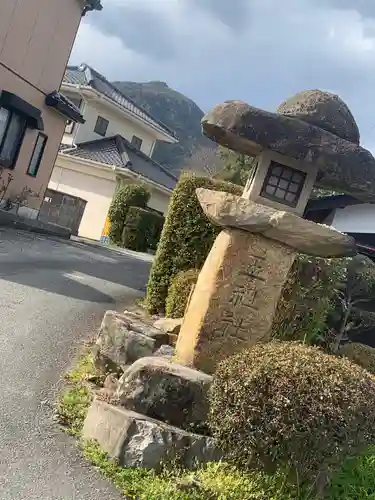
x,y
283,184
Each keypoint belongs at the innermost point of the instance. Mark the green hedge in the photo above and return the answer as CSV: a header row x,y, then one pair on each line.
x,y
129,195
178,293
290,405
186,238
141,230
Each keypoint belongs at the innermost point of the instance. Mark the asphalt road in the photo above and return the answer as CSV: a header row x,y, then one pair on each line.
x,y
53,295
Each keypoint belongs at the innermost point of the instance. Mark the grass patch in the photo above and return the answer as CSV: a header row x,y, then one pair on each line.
x,y
216,481
355,480
72,408
76,398
84,370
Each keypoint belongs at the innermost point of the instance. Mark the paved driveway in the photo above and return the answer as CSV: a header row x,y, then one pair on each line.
x,y
52,294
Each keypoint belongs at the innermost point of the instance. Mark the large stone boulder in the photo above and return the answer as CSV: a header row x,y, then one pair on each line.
x,y
138,441
315,127
164,390
120,343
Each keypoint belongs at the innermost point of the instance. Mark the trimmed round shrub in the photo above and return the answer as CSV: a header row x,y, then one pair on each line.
x,y
284,404
141,230
179,291
129,195
360,354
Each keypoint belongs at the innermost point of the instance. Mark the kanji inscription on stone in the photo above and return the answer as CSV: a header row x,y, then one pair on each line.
x,y
235,298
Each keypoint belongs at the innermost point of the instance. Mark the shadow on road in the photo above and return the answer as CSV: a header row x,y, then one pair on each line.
x,y
62,268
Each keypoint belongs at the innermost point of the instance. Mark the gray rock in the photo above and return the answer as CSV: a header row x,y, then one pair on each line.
x,y
138,441
322,109
303,132
169,325
164,390
118,344
228,210
165,351
139,326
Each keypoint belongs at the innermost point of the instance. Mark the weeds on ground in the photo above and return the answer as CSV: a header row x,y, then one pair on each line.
x,y
75,399
215,481
355,480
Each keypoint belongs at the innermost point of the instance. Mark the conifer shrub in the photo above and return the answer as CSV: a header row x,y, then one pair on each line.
x,y
141,230
129,195
179,292
186,238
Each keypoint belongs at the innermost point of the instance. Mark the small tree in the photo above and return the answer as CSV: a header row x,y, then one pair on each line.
x,y
355,288
236,168
206,161
221,163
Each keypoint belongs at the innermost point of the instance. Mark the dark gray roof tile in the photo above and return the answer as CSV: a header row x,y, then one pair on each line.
x,y
118,151
87,76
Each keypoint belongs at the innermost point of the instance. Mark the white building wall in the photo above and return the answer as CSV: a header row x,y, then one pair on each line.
x,y
159,201
355,219
97,191
118,125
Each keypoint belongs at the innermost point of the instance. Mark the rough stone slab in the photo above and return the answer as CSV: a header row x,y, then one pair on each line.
x,y
228,210
164,390
343,166
235,298
137,325
169,325
138,441
118,345
165,351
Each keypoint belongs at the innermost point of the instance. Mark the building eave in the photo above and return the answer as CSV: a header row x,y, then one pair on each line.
x,y
60,103
90,5
122,171
91,93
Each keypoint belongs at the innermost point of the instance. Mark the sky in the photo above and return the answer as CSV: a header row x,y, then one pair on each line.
x,y
259,51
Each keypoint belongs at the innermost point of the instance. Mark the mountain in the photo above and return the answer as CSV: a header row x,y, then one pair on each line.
x,y
178,112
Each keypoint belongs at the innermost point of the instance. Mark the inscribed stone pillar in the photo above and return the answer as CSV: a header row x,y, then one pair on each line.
x,y
235,298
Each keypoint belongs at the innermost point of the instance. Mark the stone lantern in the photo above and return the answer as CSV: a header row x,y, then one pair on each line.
x,y
312,139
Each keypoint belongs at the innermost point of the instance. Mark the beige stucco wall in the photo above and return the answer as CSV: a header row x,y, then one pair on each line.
x,y
91,184
97,186
54,125
36,38
118,124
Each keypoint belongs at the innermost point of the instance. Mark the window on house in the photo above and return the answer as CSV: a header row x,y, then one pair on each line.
x,y
37,155
12,131
101,126
70,125
136,142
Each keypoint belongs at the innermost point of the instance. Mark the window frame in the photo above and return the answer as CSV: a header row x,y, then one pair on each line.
x,y
290,181
104,120
135,141
41,153
11,164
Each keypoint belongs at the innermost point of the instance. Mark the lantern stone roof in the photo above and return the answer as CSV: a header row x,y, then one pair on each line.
x,y
313,126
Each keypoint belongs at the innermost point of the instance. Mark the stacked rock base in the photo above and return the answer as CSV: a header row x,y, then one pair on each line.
x,y
151,410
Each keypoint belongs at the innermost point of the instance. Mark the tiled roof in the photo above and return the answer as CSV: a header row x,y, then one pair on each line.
x,y
118,151
86,76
